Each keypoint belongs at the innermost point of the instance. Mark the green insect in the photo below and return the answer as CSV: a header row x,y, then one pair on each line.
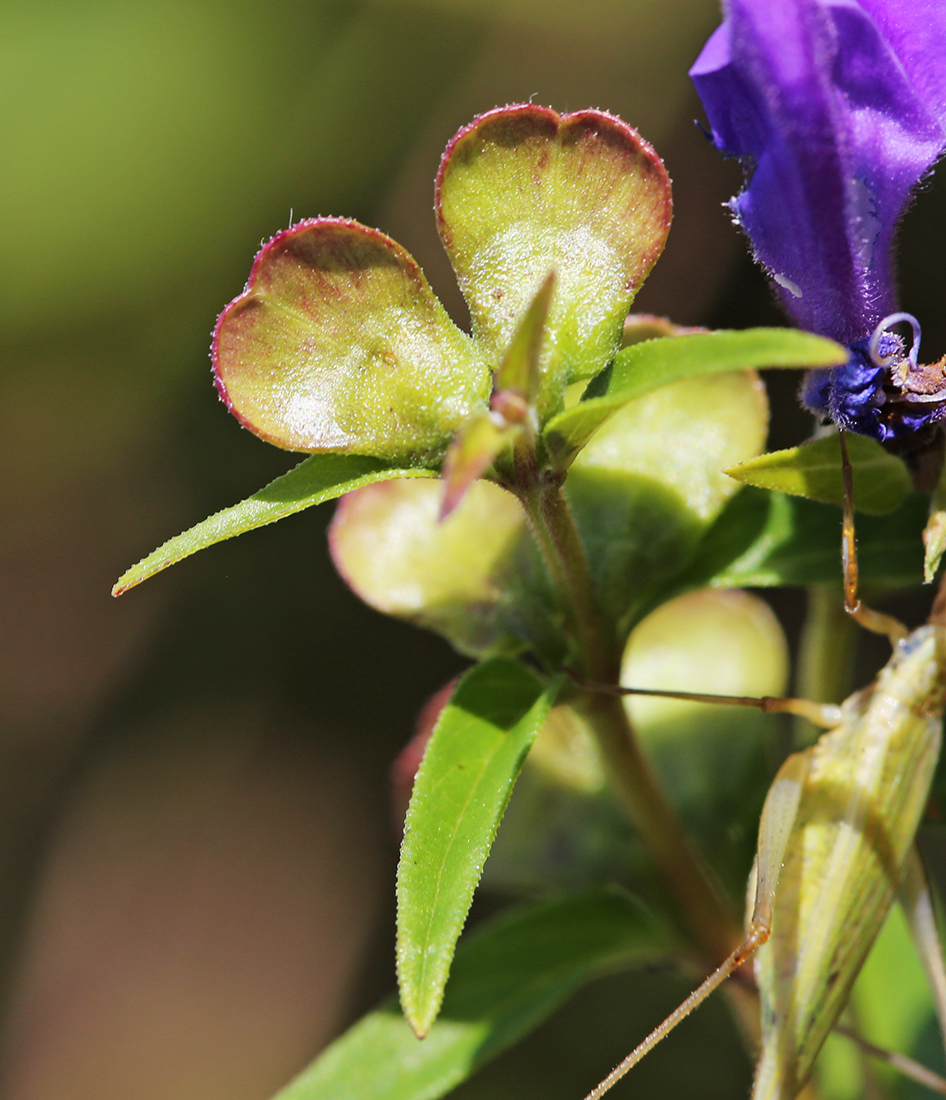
x,y
836,849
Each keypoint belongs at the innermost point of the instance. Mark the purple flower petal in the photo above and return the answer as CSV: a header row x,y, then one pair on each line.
x,y
837,108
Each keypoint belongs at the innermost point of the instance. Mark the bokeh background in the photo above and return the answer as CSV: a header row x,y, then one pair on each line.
x,y
196,847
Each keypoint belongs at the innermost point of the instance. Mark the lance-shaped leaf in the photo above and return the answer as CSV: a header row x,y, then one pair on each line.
x,y
462,787
338,344
645,366
764,539
865,786
506,979
523,191
471,453
934,534
477,578
813,470
519,369
317,479
934,540
486,434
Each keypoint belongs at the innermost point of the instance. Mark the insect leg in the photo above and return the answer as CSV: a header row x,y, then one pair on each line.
x,y
870,619
916,897
775,826
910,1068
827,715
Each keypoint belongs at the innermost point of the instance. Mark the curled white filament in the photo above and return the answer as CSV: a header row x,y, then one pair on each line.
x,y
873,348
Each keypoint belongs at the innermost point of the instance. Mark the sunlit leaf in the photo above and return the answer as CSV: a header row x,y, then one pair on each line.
x,y
813,470
519,369
317,479
461,790
645,366
934,541
471,453
934,534
649,326
506,979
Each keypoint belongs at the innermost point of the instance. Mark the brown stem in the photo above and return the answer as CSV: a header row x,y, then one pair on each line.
x,y
554,527
712,927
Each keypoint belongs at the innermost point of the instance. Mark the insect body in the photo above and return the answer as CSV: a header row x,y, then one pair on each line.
x,y
862,790
836,848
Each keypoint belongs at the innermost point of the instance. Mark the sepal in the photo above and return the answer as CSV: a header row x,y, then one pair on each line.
x,y
522,191
338,344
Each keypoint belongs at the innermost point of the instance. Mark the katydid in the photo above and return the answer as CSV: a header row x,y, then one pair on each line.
x,y
836,847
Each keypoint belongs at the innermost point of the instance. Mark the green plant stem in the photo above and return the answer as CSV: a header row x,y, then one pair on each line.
x,y
712,927
553,525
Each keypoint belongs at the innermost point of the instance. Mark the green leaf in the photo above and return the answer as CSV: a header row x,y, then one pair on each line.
x,y
934,539
317,479
523,191
645,366
477,578
813,470
339,345
519,369
764,539
507,978
461,790
471,453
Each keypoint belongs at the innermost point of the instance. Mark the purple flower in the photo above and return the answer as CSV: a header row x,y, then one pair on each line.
x,y
837,108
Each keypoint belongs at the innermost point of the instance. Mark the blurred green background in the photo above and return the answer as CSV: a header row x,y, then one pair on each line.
x,y
196,848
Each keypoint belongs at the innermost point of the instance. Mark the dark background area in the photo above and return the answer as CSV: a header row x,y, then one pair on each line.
x,y
196,851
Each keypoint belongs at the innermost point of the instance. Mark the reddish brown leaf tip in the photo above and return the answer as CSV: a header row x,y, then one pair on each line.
x,y
516,122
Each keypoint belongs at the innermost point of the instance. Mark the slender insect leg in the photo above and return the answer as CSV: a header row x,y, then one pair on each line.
x,y
870,619
827,715
754,939
910,1069
916,897
775,826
